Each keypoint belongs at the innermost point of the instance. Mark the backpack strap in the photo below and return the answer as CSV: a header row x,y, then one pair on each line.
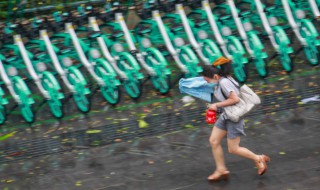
x,y
234,83
225,97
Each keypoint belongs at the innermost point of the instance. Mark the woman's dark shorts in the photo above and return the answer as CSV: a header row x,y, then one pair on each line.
x,y
234,129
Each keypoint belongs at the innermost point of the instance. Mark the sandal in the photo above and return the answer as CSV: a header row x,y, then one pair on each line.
x,y
218,176
262,164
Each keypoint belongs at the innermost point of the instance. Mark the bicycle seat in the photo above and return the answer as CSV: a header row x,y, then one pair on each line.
x,y
7,53
176,27
13,26
143,29
201,23
117,34
38,54
63,49
65,14
245,13
270,8
10,58
66,17
94,34
225,17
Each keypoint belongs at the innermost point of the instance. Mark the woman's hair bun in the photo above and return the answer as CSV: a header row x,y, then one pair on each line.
x,y
220,61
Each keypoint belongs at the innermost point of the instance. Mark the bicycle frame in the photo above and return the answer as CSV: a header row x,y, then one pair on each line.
x,y
190,67
128,37
44,80
304,30
205,48
68,73
123,62
151,59
97,66
250,39
277,36
105,51
230,45
314,8
19,90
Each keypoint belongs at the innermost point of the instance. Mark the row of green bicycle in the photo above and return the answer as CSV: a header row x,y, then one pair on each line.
x,y
97,45
239,27
44,57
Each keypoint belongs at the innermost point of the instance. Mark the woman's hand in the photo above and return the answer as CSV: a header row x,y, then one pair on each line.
x,y
213,107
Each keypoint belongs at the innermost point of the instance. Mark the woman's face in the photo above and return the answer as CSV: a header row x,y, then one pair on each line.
x,y
214,79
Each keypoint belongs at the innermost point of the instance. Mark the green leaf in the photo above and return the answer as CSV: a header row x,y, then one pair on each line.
x,y
189,126
143,124
4,137
78,183
93,131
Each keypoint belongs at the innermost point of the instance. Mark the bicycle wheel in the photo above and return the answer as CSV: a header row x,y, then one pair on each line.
x,y
261,67
240,73
111,95
82,102
286,62
27,112
189,59
22,90
80,98
312,55
162,83
110,91
49,84
133,88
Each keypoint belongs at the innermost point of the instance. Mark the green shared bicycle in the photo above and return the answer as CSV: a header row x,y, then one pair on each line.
x,y
241,22
229,44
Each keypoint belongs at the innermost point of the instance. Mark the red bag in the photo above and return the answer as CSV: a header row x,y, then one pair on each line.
x,y
211,116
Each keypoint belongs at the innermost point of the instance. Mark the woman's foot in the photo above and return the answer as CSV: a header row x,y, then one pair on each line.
x,y
262,164
219,175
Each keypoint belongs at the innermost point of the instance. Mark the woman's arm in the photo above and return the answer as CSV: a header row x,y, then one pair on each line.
x,y
232,99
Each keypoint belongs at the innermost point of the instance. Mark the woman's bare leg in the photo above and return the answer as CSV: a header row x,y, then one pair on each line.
x,y
215,142
234,148
260,160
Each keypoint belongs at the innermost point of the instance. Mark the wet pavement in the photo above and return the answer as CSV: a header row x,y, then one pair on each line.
x,y
161,143
182,160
